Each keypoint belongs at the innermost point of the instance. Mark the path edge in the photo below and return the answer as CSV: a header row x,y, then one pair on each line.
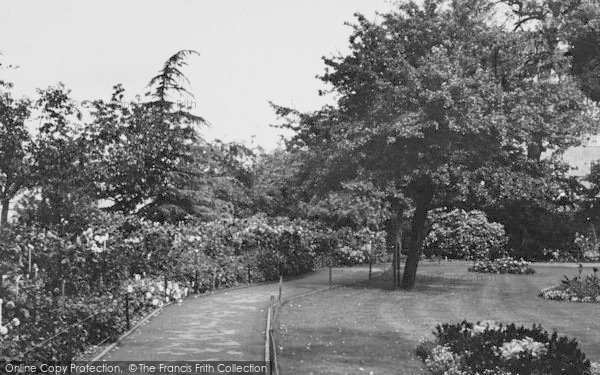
x,y
155,312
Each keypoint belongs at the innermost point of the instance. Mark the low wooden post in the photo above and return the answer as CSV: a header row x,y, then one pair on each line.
x,y
398,266
196,286
214,275
394,261
35,309
370,266
330,277
29,267
249,275
166,284
280,287
127,318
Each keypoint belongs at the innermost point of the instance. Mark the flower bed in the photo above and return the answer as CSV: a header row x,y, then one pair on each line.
x,y
493,349
84,280
577,289
502,265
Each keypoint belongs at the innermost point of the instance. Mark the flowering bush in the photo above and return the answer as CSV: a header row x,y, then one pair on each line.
x,y
502,265
576,289
357,247
442,361
459,234
492,348
81,281
588,248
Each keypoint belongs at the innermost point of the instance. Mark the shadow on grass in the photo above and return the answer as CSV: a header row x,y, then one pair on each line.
x,y
428,284
342,350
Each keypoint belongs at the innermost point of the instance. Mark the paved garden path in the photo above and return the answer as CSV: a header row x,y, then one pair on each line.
x,y
228,325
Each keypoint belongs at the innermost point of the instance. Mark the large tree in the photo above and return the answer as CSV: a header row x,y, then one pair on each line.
x,y
439,106
15,143
59,184
140,149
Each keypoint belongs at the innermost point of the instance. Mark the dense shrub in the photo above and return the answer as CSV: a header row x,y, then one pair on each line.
x,y
576,289
532,228
492,348
357,247
459,234
79,280
502,265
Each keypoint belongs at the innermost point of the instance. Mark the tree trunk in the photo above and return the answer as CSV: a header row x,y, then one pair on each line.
x,y
394,242
4,214
422,203
534,151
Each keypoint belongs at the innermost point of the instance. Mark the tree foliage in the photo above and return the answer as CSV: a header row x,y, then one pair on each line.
x,y
141,148
440,106
15,143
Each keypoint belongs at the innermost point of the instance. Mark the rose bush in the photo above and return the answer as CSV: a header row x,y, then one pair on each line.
x,y
82,281
493,348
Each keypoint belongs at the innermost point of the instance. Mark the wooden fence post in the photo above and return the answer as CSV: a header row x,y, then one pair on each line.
x,y
398,266
127,318
394,261
166,284
280,287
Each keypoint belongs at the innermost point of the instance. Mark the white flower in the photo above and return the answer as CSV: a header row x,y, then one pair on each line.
x,y
515,347
129,289
155,302
16,322
148,295
487,325
3,330
96,249
101,239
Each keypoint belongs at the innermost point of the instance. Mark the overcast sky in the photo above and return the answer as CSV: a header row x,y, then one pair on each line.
x,y
252,51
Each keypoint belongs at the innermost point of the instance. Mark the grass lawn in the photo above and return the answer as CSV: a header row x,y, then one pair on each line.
x,y
369,328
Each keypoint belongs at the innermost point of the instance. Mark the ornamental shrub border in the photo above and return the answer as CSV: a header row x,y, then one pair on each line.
x,y
493,349
503,265
83,277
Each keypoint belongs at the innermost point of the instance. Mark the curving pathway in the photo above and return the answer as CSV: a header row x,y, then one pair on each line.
x,y
225,326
